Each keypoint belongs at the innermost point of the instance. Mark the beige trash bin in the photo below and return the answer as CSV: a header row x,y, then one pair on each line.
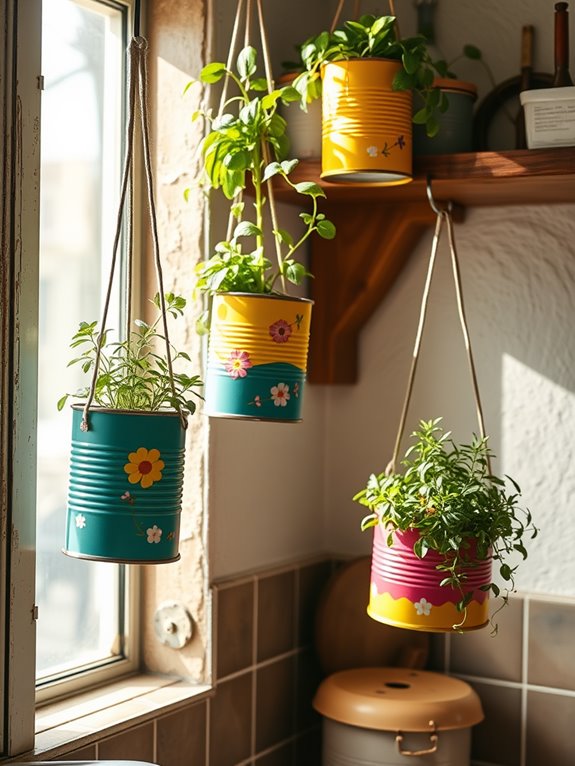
x,y
395,716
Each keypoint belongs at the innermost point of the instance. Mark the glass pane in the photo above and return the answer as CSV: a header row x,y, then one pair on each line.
x,y
81,146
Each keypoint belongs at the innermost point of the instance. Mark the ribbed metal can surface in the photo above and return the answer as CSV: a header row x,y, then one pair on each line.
x,y
366,124
125,486
257,359
406,590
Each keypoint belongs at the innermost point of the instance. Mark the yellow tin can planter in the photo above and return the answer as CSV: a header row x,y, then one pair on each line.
x,y
366,125
257,358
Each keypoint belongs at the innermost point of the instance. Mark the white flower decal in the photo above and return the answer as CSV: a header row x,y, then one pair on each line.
x,y
80,521
154,534
280,394
373,151
423,607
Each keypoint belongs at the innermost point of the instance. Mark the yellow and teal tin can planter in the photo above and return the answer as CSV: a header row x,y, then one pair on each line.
x,y
257,358
125,486
366,125
406,590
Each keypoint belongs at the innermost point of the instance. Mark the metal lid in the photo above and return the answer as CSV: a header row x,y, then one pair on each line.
x,y
398,699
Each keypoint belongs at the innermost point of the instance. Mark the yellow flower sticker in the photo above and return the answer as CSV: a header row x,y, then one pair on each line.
x,y
144,467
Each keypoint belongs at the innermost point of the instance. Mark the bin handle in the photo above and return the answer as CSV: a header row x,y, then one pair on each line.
x,y
433,739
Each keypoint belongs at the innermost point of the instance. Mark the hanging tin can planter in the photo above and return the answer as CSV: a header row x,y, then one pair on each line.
x,y
125,488
366,125
406,591
257,359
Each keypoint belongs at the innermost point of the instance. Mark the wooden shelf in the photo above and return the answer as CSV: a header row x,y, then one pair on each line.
x,y
378,228
539,176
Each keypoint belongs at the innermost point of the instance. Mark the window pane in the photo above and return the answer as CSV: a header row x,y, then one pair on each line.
x,y
80,602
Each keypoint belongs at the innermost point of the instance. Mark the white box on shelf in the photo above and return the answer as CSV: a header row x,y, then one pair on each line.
x,y
549,117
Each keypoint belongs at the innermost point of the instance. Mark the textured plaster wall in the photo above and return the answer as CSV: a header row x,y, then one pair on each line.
x,y
518,271
177,41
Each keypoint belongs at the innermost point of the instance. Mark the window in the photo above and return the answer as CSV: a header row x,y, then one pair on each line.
x,y
84,607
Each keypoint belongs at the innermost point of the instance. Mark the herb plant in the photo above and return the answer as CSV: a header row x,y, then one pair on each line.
x,y
245,147
133,374
459,508
375,37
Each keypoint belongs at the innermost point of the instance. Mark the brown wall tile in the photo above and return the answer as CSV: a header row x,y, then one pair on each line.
x,y
312,580
551,659
497,739
550,729
479,653
181,737
234,628
135,744
275,700
309,676
276,615
283,756
231,721
308,748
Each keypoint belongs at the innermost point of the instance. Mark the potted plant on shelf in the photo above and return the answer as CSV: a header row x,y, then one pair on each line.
x,y
368,73
259,336
127,461
438,527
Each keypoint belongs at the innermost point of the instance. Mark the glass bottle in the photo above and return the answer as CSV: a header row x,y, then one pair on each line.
x,y
562,77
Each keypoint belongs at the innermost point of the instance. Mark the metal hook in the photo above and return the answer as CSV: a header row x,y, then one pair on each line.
x,y
434,206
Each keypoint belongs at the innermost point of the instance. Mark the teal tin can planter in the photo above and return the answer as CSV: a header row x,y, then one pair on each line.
x,y
125,486
257,358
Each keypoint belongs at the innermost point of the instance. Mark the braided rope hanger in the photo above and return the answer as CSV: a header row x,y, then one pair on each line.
x,y
444,216
137,96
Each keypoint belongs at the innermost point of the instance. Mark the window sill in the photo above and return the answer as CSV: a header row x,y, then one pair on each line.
x,y
79,720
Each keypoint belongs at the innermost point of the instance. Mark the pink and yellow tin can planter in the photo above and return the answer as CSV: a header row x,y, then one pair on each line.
x,y
257,358
366,125
406,591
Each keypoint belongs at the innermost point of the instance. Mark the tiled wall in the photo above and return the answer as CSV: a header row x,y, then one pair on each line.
x,y
525,677
265,675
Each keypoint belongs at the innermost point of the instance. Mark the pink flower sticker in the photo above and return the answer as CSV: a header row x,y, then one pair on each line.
x,y
280,394
280,331
238,363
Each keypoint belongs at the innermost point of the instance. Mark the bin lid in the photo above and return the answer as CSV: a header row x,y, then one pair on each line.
x,y
398,699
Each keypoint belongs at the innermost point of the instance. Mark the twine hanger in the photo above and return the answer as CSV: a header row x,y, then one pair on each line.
x,y
137,101
244,13
444,217
357,13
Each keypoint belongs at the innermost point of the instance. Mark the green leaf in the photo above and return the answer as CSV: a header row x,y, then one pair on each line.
x,y
62,402
271,170
472,52
260,84
310,188
213,72
246,63
284,236
295,273
326,229
420,117
247,229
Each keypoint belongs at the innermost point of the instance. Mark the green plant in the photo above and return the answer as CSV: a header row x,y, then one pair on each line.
x,y
375,37
449,496
245,147
133,374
